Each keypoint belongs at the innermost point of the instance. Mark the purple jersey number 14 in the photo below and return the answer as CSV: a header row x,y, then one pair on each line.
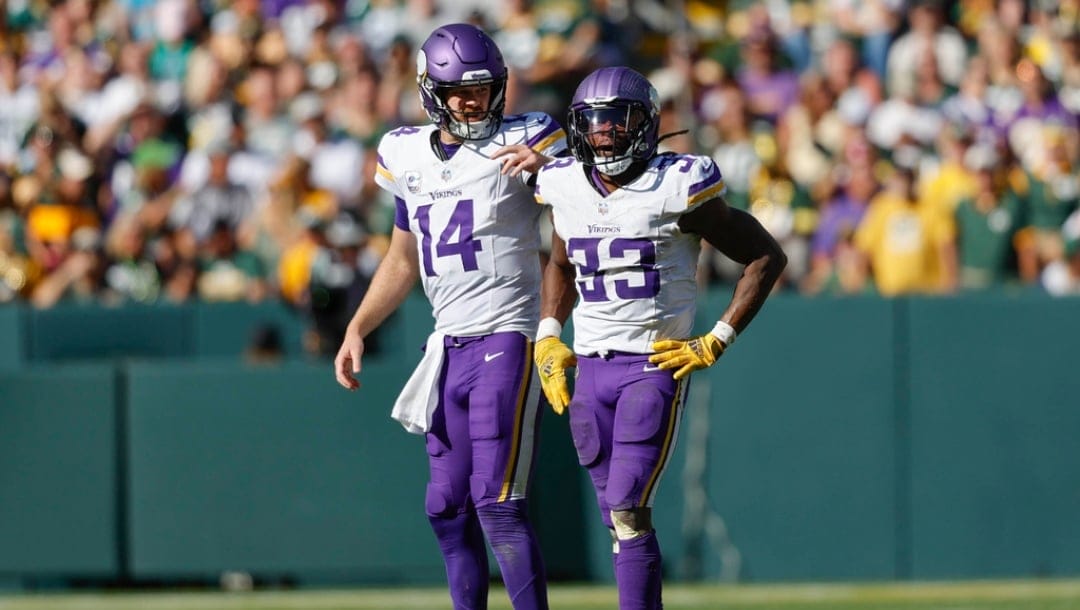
x,y
459,226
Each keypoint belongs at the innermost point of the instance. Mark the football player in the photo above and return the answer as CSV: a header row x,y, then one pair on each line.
x,y
467,226
628,227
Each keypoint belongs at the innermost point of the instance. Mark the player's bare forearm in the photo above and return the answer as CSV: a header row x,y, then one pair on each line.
x,y
557,293
765,262
753,288
742,238
394,278
391,284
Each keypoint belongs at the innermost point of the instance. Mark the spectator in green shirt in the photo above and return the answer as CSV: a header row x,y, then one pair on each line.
x,y
986,224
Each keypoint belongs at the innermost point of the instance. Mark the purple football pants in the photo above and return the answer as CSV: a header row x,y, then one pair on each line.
x,y
624,418
480,451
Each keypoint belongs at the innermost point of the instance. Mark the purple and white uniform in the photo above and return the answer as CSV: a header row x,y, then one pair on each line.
x,y
478,242
476,228
635,280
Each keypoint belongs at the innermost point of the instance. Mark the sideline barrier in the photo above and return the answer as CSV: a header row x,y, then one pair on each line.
x,y
58,472
847,439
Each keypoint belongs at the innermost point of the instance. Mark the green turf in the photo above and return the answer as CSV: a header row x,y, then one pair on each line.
x,y
997,595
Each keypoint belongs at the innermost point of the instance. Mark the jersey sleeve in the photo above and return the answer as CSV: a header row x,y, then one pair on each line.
x,y
545,135
544,184
704,182
384,175
536,193
401,214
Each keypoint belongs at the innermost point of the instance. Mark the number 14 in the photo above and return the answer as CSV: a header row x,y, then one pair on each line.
x,y
460,225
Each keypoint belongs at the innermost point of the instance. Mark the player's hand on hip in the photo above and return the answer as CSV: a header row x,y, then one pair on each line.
x,y
517,158
552,358
347,361
688,355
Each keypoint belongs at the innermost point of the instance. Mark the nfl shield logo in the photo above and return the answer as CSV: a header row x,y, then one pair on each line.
x,y
412,182
602,207
446,174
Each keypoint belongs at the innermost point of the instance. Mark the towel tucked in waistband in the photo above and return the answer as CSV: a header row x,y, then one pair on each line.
x,y
420,396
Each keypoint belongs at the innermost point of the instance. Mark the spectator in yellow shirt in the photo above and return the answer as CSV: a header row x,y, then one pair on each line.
x,y
906,244
951,181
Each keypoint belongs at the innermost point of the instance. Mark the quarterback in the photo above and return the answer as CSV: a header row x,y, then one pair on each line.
x,y
628,228
466,226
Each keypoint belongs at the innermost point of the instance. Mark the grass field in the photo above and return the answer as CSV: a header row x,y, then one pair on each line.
x,y
997,595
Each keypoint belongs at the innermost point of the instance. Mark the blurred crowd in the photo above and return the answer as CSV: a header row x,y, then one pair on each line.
x,y
222,150
900,147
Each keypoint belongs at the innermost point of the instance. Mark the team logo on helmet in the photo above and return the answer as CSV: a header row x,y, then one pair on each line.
x,y
421,65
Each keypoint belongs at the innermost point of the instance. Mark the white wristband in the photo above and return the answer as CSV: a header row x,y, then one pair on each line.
x,y
548,327
724,332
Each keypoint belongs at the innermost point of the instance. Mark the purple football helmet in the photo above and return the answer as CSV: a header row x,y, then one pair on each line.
x,y
459,55
614,119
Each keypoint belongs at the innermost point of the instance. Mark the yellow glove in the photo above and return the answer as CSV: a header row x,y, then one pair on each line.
x,y
688,355
552,358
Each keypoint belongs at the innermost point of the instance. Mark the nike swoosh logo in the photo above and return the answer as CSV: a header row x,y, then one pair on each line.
x,y
648,368
490,357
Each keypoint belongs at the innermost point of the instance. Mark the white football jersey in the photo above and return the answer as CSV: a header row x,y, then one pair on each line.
x,y
635,267
476,229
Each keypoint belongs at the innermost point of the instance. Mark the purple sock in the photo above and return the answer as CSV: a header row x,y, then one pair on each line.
x,y
462,544
515,547
638,573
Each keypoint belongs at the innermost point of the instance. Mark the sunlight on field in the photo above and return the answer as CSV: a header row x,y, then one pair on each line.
x,y
997,595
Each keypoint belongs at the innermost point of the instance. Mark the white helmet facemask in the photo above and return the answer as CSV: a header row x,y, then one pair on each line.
x,y
470,130
612,166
